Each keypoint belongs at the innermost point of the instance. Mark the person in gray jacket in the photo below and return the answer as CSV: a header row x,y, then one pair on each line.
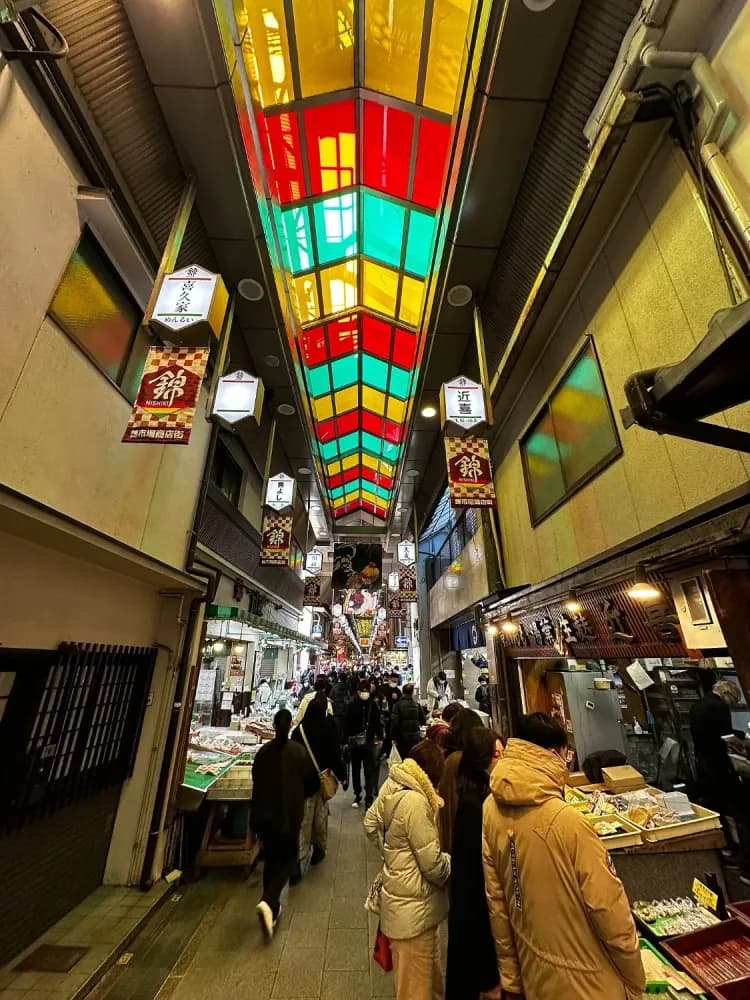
x,y
414,901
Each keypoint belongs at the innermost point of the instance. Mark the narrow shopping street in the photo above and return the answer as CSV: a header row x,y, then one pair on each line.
x,y
209,943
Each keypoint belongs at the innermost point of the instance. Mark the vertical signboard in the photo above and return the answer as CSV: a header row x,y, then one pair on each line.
x,y
276,543
407,584
469,472
165,405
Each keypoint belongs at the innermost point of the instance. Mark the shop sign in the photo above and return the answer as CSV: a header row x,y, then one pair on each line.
x,y
469,472
407,585
311,597
395,609
238,396
280,491
401,642
393,580
191,306
314,561
462,402
165,405
407,553
276,542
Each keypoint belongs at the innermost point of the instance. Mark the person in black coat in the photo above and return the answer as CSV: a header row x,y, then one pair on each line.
x,y
482,694
472,962
407,718
364,732
283,777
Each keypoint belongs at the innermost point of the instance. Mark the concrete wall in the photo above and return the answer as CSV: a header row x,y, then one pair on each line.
x,y
465,583
61,421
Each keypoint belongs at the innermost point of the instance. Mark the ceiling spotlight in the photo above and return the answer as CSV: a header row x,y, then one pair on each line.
x,y
643,589
271,361
491,631
459,295
572,604
218,646
286,410
429,411
251,289
509,625
412,473
304,471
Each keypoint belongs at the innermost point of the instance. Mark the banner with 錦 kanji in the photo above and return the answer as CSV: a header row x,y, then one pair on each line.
x,y
276,543
396,610
311,597
469,472
407,584
165,405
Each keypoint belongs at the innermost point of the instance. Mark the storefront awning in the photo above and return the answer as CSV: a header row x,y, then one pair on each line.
x,y
225,613
676,399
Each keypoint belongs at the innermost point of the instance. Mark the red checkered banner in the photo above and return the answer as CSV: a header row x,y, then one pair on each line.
x,y
396,611
311,598
164,408
407,584
276,543
469,472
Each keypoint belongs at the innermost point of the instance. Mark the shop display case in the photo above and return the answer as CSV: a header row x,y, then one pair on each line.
x,y
716,957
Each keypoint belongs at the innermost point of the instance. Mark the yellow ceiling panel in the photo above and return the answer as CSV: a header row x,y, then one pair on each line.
x,y
265,51
346,399
410,309
393,38
322,408
396,410
373,400
379,288
325,44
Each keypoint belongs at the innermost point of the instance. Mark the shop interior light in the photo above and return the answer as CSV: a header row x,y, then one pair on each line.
x,y
509,625
239,649
573,604
492,631
218,646
429,411
643,589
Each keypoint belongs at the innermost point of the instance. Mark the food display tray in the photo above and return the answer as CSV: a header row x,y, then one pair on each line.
x,y
704,820
741,911
647,946
738,989
630,837
686,949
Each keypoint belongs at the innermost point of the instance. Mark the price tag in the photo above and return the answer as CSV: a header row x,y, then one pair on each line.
x,y
704,896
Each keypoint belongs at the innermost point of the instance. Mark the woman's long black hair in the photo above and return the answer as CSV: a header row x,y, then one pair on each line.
x,y
473,771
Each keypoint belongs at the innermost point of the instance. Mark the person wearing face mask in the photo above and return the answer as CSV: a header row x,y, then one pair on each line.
x,y
364,732
549,882
439,693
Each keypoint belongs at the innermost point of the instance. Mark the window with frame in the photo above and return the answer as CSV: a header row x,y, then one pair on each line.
x,y
572,439
226,473
95,308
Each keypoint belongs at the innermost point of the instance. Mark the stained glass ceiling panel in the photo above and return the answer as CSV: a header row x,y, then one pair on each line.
x,y
349,111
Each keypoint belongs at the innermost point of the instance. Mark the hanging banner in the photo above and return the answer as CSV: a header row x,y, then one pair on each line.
x,y
469,472
280,492
314,561
407,553
407,585
357,567
165,405
396,611
311,597
276,543
462,402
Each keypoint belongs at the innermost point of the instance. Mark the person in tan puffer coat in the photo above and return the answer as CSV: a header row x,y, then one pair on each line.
x,y
560,918
414,902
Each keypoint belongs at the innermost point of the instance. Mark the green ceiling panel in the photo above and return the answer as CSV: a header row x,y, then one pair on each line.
x,y
400,382
335,228
296,241
374,372
318,380
419,242
383,229
345,371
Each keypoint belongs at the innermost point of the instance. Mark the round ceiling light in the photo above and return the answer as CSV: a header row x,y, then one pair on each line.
x,y
539,5
286,409
304,471
429,411
459,295
412,473
271,361
250,289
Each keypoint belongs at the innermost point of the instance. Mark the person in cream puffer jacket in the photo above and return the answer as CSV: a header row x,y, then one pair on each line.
x,y
414,901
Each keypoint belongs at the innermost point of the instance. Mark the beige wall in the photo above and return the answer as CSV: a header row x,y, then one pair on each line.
x,y
61,421
465,583
646,302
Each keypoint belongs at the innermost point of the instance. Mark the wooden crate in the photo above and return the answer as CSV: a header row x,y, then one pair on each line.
x,y
704,820
630,837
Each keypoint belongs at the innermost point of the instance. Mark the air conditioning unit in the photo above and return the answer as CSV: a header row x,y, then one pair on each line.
x,y
695,609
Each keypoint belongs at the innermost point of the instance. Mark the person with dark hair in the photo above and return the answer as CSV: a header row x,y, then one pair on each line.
x,y
319,736
407,718
482,694
438,691
391,694
321,684
549,881
283,777
413,900
364,733
462,723
469,931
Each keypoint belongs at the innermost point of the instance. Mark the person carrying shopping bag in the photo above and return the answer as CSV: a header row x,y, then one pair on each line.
x,y
413,899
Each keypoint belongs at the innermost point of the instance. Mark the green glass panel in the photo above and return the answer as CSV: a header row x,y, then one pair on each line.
x,y
419,242
318,380
334,494
295,237
329,451
374,372
335,228
383,229
400,382
344,371
371,443
349,442
354,487
391,451
381,492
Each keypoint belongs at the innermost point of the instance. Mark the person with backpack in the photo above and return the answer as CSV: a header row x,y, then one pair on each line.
x,y
407,719
364,733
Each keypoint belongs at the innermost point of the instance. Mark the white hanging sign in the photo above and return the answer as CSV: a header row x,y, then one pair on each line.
x,y
280,491
314,561
191,303
238,396
393,580
462,402
406,553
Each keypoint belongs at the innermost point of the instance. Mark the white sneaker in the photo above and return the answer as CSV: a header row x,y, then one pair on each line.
x,y
265,916
355,804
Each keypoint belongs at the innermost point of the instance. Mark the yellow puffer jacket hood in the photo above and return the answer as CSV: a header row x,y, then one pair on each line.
x,y
403,823
527,775
560,917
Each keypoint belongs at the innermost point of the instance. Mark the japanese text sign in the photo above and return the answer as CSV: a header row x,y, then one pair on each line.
x,y
191,305
469,472
165,405
462,402
280,492
407,585
407,553
238,396
311,596
314,561
276,543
